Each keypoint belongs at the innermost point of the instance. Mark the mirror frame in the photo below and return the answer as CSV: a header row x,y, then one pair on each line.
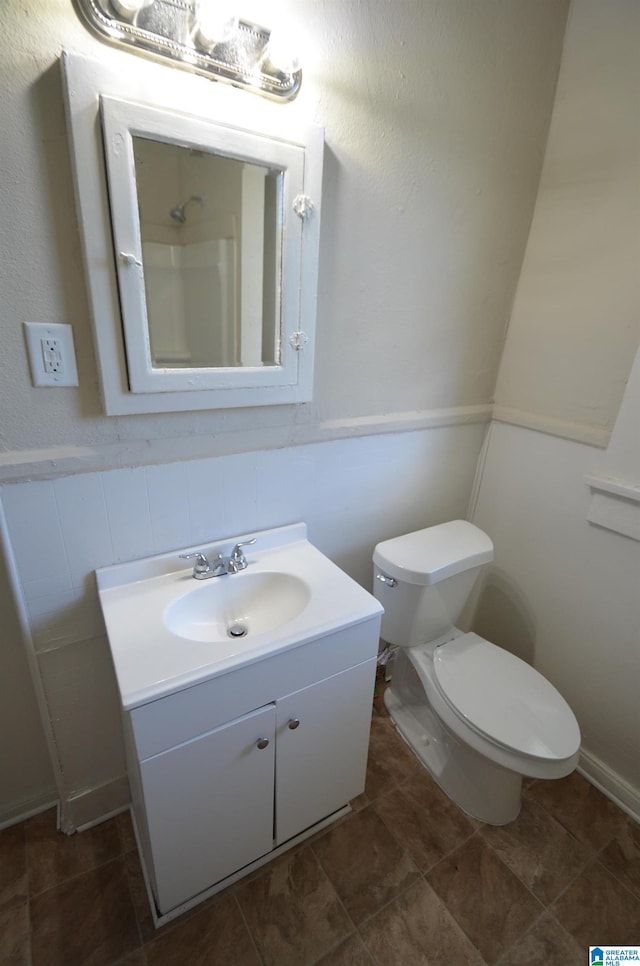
x,y
129,382
122,122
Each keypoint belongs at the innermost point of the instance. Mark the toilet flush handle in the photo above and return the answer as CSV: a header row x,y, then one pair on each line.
x,y
387,581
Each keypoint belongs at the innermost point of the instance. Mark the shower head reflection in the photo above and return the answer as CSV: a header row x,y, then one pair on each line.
x,y
179,213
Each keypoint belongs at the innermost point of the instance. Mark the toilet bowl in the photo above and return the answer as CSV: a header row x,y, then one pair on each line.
x,y
477,717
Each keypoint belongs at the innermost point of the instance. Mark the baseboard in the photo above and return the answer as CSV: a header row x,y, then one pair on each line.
x,y
19,813
624,795
78,813
94,805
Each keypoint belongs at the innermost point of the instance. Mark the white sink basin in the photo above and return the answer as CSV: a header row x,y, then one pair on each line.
x,y
168,631
237,606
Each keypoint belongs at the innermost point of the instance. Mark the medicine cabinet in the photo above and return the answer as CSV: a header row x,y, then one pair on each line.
x,y
200,239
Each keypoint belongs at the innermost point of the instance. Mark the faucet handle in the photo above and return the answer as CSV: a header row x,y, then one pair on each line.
x,y
237,558
237,550
201,566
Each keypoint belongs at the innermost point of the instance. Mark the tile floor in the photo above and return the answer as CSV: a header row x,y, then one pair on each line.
x,y
406,879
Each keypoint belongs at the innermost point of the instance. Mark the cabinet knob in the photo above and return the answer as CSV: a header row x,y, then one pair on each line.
x,y
262,743
294,723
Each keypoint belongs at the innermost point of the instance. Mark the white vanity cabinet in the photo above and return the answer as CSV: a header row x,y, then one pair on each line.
x,y
231,771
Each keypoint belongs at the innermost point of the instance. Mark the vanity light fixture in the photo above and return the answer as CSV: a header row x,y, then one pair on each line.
x,y
204,36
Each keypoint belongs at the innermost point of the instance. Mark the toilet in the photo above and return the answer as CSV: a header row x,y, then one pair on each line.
x,y
476,716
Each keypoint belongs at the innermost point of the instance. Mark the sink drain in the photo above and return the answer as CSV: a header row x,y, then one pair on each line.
x,y
237,630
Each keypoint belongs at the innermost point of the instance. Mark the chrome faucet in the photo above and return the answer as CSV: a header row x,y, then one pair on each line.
x,y
205,568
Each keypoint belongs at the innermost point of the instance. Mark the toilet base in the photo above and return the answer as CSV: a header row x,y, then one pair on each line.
x,y
484,790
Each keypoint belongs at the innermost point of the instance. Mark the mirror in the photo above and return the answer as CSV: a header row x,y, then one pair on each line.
x,y
210,230
200,240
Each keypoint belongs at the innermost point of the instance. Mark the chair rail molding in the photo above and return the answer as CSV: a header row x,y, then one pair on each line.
x,y
615,488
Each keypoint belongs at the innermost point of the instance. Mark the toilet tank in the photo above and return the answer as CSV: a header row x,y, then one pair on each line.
x,y
434,572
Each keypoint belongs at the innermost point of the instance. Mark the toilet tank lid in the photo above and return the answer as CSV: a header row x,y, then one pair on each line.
x,y
429,555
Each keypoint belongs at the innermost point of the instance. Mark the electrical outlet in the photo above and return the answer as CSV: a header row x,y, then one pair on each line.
x,y
52,357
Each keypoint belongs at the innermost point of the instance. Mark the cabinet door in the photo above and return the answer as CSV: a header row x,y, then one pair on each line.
x,y
321,762
209,806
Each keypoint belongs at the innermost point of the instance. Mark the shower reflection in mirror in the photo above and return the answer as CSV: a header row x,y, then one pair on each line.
x,y
211,238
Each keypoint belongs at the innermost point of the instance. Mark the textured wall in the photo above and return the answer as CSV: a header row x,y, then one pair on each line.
x,y
576,319
436,117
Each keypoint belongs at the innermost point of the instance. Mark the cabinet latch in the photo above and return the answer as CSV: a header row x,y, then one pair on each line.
x,y
303,206
298,340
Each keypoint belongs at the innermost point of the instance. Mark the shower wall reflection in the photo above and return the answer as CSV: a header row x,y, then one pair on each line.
x,y
211,239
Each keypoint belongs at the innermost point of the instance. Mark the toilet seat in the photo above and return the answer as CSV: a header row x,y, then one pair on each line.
x,y
499,705
505,699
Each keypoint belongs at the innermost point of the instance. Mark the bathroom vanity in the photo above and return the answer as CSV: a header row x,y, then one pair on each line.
x,y
238,747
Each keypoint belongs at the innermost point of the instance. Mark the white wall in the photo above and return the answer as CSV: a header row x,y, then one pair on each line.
x,y
565,593
436,117
26,777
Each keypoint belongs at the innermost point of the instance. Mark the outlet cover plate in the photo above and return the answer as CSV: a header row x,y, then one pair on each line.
x,y
40,338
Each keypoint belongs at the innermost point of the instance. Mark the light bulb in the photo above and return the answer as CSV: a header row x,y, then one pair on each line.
x,y
280,53
215,24
128,9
